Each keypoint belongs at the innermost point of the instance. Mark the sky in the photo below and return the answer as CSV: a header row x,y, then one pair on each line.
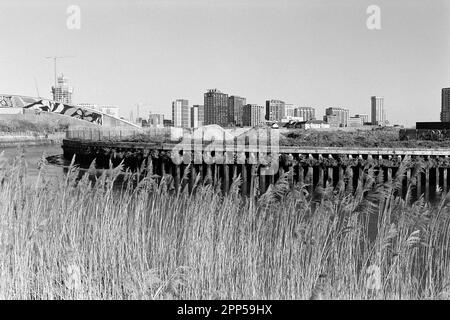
x,y
316,53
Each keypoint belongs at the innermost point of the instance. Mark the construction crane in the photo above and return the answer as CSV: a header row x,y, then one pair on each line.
x,y
37,89
54,61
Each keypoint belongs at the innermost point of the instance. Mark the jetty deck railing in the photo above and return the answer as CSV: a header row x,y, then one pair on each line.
x,y
117,134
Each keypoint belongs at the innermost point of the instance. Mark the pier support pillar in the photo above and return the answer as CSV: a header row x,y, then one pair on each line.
x,y
226,178
301,174
361,175
437,178
330,176
262,182
380,176
341,174
244,186
400,189
162,168
291,176
309,179
444,177
408,178
419,184
389,175
253,177
349,174
193,176
177,177
427,184
320,182
209,177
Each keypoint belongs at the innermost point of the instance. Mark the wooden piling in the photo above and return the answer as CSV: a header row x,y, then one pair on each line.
x,y
419,184
226,178
209,176
291,176
193,177
320,182
330,176
162,168
301,174
177,177
244,186
437,177
349,174
341,174
408,177
309,179
262,182
444,178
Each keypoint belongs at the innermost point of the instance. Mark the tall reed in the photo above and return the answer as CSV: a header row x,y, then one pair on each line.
x,y
71,238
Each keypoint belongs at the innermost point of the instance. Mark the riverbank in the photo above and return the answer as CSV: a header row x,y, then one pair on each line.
x,y
10,139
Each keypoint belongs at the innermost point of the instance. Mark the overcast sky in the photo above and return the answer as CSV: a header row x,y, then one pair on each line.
x,y
316,53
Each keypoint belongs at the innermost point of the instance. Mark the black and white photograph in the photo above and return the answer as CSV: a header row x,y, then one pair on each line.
x,y
224,156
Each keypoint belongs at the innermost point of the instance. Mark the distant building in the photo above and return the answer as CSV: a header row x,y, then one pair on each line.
x,y
216,108
355,122
156,120
253,115
307,113
62,92
364,117
289,111
341,114
445,106
181,113
235,109
132,120
168,123
110,110
378,115
275,110
197,116
333,120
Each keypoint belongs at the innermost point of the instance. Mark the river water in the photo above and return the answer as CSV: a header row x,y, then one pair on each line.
x,y
57,165
32,156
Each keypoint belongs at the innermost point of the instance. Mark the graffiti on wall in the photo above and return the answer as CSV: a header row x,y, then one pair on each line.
x,y
5,102
50,106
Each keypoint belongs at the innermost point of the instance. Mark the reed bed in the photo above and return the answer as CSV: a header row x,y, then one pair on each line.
x,y
75,238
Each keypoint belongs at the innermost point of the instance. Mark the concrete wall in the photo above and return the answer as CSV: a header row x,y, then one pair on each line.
x,y
11,111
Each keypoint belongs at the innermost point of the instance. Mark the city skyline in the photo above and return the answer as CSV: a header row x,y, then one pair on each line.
x,y
318,54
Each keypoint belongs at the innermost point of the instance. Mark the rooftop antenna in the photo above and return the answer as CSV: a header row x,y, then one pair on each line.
x,y
54,61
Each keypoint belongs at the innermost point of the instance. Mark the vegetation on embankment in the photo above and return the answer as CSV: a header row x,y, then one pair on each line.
x,y
376,138
68,239
42,122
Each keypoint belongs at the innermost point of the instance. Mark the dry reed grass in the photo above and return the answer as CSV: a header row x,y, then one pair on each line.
x,y
72,238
